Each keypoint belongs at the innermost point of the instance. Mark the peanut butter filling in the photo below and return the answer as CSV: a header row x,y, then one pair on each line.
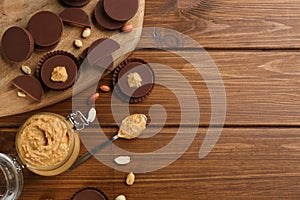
x,y
134,80
59,74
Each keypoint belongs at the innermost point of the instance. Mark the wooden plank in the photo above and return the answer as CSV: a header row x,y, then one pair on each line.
x,y
18,13
244,164
230,24
262,88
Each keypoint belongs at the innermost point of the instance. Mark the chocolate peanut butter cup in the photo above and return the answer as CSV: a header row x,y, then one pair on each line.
x,y
133,80
90,194
58,70
121,10
99,53
104,20
75,3
46,29
30,86
17,44
75,17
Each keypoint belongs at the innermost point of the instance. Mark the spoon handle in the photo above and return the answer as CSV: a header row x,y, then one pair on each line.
x,y
89,154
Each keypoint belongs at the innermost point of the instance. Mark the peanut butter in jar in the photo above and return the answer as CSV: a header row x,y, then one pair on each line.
x,y
47,144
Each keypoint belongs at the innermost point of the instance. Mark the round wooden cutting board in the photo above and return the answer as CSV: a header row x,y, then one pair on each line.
x,y
17,13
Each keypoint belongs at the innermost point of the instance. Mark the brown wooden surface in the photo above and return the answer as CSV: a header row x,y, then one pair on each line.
x,y
255,46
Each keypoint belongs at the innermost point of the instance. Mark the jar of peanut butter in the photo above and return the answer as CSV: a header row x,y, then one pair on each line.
x,y
47,144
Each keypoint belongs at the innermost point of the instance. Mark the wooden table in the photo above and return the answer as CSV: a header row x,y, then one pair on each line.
x,y
255,45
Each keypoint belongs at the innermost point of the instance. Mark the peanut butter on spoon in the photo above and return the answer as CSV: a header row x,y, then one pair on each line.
x,y
132,126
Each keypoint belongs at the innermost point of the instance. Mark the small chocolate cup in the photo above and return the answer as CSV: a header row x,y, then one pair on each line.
x,y
122,89
89,193
74,3
50,61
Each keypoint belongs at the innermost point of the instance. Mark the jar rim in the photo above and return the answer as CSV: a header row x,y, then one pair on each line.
x,y
71,132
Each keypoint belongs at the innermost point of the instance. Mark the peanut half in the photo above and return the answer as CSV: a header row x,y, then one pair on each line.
x,y
86,32
78,43
21,94
94,98
104,88
120,197
26,70
130,178
127,28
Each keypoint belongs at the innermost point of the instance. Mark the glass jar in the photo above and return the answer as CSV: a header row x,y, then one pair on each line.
x,y
47,144
11,178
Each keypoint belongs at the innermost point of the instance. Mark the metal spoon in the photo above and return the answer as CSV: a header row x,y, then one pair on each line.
x,y
89,154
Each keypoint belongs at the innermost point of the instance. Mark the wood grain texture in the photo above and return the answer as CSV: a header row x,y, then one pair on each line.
x,y
262,88
249,24
18,13
255,163
257,155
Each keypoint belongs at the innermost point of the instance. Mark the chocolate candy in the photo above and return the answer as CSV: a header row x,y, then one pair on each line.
x,y
46,29
30,86
76,17
120,80
53,60
17,44
100,49
90,194
121,10
75,3
104,20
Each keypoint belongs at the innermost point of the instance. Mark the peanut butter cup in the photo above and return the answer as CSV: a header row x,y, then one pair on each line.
x,y
99,53
17,44
121,10
46,29
75,17
133,80
104,20
75,3
90,194
58,70
30,86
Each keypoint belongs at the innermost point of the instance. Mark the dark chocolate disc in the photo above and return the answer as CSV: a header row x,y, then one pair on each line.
x,y
75,17
46,28
134,94
104,20
58,59
121,10
89,194
75,3
30,86
17,44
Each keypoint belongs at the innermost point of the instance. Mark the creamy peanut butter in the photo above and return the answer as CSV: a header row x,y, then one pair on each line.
x,y
134,80
59,74
44,141
132,126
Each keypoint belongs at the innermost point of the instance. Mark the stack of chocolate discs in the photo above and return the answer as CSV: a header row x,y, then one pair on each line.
x,y
113,14
46,29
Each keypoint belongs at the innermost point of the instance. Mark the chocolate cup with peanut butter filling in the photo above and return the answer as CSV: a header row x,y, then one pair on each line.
x,y
133,80
58,70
